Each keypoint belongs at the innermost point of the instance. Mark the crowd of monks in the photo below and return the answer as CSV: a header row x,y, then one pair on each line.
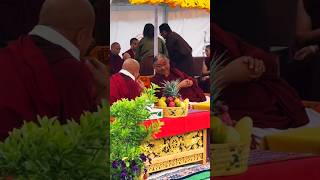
x,y
174,62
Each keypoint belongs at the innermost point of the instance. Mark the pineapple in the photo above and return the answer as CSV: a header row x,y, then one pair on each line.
x,y
217,64
171,89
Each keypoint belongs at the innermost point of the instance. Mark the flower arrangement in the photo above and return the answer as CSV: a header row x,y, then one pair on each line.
x,y
202,4
127,133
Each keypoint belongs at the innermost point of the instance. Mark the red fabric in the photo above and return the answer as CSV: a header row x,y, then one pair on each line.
x,y
193,93
32,84
115,63
176,126
122,86
131,52
271,102
307,168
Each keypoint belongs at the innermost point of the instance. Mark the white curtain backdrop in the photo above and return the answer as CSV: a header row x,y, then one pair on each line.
x,y
128,22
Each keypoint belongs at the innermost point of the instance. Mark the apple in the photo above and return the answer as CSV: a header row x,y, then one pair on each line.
x,y
172,104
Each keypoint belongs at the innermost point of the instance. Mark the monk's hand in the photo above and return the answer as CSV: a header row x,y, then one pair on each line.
x,y
100,75
126,56
185,83
256,66
306,52
141,84
235,72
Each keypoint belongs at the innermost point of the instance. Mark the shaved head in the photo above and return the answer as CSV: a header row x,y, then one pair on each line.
x,y
115,48
67,14
74,19
132,66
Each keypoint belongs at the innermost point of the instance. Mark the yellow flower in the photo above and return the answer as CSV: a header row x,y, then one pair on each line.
x,y
202,4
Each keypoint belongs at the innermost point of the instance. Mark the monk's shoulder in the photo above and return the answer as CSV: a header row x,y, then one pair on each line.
x,y
71,70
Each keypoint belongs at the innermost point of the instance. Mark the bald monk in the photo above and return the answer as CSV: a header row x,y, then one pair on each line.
x,y
188,86
124,84
43,73
115,60
253,86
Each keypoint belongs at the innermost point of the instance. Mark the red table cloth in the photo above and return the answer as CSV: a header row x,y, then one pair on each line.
x,y
195,121
298,169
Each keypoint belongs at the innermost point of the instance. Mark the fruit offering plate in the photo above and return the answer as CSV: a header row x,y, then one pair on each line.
x,y
175,112
229,159
173,107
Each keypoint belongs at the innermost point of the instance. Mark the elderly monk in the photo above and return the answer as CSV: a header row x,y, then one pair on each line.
x,y
115,60
253,86
180,52
188,86
134,42
43,74
124,84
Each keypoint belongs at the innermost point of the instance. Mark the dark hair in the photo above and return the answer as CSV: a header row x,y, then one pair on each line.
x,y
148,31
133,39
165,27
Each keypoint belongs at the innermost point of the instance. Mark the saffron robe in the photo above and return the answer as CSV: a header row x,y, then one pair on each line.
x,y
193,93
270,101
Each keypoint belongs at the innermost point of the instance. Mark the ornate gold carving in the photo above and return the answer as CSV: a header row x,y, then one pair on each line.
x,y
181,146
174,163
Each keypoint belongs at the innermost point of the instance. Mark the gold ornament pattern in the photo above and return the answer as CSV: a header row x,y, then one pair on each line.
x,y
176,150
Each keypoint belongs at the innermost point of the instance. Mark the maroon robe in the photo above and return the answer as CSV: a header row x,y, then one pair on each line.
x,y
131,52
180,53
193,93
271,102
115,63
40,78
122,86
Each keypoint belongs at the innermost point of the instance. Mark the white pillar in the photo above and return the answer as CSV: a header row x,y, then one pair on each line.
x,y
155,42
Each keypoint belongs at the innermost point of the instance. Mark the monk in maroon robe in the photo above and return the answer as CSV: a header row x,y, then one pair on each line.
x,y
125,83
115,60
254,87
42,73
134,42
188,86
180,52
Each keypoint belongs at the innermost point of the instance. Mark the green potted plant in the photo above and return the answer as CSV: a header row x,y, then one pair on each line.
x,y
127,132
49,150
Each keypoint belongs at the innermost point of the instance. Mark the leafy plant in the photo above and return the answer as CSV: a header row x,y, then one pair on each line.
x,y
216,85
49,150
127,132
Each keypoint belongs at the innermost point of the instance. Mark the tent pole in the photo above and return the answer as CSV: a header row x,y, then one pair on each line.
x,y
155,46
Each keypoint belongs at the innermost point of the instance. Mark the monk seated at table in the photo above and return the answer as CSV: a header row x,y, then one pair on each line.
x,y
253,86
124,84
188,86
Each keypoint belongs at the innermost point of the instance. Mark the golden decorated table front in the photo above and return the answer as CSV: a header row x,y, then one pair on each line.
x,y
181,141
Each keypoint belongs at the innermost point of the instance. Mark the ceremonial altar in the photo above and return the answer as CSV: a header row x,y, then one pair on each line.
x,y
181,141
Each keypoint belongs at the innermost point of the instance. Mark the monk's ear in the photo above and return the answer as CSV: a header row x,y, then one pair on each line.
x,y
83,40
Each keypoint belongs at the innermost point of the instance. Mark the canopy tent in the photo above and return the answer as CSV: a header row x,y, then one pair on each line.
x,y
127,21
